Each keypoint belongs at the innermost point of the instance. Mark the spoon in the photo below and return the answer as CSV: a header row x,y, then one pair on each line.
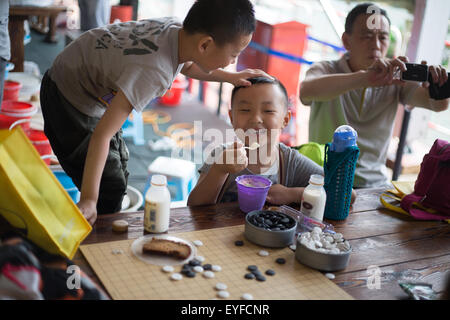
x,y
253,146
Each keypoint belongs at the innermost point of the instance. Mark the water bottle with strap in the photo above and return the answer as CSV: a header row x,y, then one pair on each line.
x,y
339,168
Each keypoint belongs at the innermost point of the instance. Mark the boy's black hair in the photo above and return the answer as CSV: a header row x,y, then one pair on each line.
x,y
361,9
223,20
263,80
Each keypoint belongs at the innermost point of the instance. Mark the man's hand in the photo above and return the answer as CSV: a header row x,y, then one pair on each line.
x,y
239,79
383,72
89,210
279,194
233,159
438,73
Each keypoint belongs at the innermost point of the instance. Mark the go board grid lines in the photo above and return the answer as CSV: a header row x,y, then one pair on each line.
x,y
126,277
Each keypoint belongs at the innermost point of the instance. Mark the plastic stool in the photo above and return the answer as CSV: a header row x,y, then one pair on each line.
x,y
134,128
181,176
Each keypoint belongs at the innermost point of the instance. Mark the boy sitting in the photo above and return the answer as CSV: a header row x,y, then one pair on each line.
x,y
258,114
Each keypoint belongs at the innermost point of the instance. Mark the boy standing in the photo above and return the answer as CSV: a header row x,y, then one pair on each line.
x,y
258,114
94,84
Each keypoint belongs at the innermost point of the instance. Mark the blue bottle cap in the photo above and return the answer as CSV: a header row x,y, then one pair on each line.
x,y
344,137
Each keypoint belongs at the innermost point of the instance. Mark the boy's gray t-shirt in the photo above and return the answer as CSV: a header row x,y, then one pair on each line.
x,y
138,57
297,170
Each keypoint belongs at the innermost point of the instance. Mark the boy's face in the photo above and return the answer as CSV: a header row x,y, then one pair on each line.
x,y
368,41
260,112
214,57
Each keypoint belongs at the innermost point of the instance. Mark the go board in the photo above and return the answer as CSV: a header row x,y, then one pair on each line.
x,y
126,277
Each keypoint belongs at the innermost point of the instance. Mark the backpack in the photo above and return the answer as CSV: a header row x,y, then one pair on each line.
x,y
431,197
314,151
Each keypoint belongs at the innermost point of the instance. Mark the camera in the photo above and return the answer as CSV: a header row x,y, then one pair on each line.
x,y
419,72
415,72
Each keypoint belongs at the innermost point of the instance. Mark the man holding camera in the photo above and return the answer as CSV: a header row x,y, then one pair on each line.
x,y
363,90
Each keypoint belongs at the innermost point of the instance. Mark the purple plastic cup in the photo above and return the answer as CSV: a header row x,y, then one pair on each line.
x,y
252,192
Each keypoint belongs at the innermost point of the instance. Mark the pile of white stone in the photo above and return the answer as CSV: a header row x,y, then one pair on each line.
x,y
324,242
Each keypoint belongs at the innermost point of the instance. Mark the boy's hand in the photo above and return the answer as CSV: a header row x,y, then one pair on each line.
x,y
279,194
89,210
233,159
239,79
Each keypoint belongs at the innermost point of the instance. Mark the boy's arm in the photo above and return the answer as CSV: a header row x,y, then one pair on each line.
x,y
233,159
208,187
279,194
191,70
111,121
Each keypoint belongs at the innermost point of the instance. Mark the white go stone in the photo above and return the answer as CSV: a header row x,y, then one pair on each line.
x,y
198,243
208,274
117,251
200,258
198,269
167,269
176,276
223,294
318,244
316,230
330,276
293,246
247,296
337,236
216,268
263,253
335,250
221,286
329,239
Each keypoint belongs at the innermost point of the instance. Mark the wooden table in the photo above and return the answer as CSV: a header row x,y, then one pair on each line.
x,y
404,249
17,15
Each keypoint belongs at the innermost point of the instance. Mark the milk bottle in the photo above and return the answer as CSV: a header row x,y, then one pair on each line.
x,y
157,205
314,198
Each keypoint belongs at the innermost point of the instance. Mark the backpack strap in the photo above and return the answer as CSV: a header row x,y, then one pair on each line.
x,y
407,204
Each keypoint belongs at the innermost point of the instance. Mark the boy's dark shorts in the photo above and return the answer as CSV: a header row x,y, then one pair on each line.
x,y
69,132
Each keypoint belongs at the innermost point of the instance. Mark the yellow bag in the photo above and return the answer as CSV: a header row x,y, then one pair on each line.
x,y
402,188
33,200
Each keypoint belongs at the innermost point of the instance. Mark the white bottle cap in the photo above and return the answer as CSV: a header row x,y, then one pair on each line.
x,y
159,180
316,179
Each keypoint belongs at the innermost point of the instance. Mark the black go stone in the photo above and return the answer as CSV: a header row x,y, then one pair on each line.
x,y
272,221
207,266
249,276
239,243
194,262
252,268
270,272
190,274
280,261
260,277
